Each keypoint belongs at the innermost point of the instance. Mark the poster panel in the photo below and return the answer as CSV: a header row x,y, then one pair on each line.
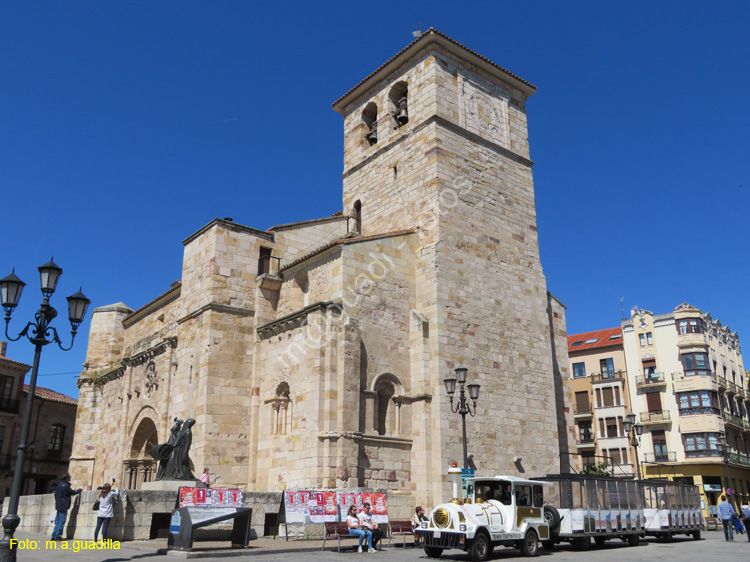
x,y
322,507
378,506
210,497
296,506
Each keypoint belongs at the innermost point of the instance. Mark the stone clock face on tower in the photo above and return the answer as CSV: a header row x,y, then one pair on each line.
x,y
482,113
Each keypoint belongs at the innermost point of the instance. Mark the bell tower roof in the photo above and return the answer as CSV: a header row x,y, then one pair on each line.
x,y
431,37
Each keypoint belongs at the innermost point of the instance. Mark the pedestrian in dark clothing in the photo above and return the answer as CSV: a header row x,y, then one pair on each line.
x,y
63,493
745,509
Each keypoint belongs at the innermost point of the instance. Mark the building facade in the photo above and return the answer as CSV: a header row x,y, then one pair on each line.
x,y
689,388
51,431
600,401
312,355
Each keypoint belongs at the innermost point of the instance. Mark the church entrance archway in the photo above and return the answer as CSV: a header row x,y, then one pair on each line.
x,y
140,466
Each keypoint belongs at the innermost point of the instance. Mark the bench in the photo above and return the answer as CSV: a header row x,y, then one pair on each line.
x,y
712,523
337,530
400,528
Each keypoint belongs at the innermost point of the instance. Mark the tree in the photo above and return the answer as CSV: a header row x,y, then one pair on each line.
x,y
601,469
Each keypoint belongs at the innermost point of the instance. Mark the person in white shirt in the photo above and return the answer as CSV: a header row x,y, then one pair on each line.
x,y
365,521
106,510
352,521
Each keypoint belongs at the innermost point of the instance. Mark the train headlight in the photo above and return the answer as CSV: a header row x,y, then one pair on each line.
x,y
462,527
441,517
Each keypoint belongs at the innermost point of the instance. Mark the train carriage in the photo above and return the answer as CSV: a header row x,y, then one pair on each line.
x,y
671,508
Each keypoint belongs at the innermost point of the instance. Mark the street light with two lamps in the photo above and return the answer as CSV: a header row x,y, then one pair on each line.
x,y
462,405
723,447
633,431
40,333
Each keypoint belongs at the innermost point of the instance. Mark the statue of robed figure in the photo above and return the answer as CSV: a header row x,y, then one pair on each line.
x,y
173,456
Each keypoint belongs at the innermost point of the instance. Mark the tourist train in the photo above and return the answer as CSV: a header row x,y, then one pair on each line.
x,y
574,508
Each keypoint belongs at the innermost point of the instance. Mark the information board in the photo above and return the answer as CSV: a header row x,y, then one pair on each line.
x,y
210,497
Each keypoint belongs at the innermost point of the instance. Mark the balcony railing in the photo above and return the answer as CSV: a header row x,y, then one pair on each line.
x,y
588,442
608,376
736,421
739,458
733,388
656,417
651,380
667,456
8,405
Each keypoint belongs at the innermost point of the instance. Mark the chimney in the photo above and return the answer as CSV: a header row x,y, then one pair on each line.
x,y
3,348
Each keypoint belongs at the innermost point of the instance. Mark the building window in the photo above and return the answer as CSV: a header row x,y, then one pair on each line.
x,y
691,326
588,459
642,338
659,439
698,402
701,445
582,405
612,427
695,364
264,261
281,410
650,338
608,397
585,432
576,343
607,367
56,437
579,370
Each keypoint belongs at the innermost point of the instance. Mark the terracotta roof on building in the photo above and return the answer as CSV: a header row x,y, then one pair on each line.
x,y
596,339
431,31
14,361
49,394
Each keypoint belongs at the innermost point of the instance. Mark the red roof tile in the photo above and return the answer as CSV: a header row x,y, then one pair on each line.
x,y
431,31
14,361
602,338
49,394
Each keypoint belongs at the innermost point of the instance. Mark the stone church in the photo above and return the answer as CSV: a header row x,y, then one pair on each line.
x,y
312,354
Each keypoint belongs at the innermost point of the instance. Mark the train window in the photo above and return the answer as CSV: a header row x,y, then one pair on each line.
x,y
538,496
523,496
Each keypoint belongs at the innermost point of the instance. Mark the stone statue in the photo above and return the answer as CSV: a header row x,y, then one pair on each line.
x,y
178,467
174,461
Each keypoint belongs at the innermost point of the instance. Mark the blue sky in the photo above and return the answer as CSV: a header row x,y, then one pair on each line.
x,y
126,126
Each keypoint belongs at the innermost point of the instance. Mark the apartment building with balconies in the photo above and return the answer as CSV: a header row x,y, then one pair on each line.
x,y
688,389
600,400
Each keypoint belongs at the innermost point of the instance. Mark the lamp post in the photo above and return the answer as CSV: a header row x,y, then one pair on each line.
x,y
633,431
724,450
40,333
462,405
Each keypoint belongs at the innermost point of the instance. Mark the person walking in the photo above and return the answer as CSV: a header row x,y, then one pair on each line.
x,y
106,511
63,493
745,510
352,521
725,512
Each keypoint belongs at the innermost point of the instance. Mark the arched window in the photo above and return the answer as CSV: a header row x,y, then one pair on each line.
x,y
387,407
358,216
281,411
399,103
370,119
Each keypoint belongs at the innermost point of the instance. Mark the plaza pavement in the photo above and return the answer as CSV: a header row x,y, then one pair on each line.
x,y
683,549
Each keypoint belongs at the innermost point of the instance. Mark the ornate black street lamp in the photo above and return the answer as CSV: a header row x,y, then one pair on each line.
x,y
40,333
724,450
462,406
633,431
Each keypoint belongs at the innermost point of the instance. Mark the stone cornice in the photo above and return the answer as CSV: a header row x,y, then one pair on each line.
x,y
214,307
150,353
230,225
295,319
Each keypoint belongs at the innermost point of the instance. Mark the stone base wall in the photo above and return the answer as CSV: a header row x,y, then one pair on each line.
x,y
136,509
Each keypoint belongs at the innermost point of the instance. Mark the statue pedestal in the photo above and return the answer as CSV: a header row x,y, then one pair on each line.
x,y
171,485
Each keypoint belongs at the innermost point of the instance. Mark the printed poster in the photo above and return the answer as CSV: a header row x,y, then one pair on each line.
x,y
378,507
210,497
296,506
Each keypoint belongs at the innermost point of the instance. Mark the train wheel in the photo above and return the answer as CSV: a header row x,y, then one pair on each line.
x,y
600,541
696,535
433,551
552,517
530,544
548,545
633,540
582,543
480,547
